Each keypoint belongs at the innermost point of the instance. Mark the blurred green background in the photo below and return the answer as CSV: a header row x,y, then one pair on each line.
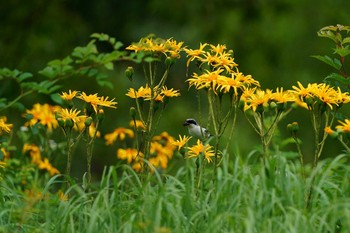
x,y
272,40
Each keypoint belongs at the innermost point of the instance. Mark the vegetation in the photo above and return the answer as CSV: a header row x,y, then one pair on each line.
x,y
161,183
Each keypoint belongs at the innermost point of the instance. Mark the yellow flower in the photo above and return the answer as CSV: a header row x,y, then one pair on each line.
x,y
257,99
104,102
169,92
137,124
199,148
62,196
207,80
2,164
46,165
142,92
344,127
69,96
96,101
328,130
5,153
181,142
157,45
281,96
128,154
43,114
193,54
3,126
34,152
71,114
118,132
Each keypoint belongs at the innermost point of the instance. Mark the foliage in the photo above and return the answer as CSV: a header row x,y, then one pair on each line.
x,y
139,194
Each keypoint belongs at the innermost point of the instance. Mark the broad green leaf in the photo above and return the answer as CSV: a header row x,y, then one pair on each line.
x,y
335,63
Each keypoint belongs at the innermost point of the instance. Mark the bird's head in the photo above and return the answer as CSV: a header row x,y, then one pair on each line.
x,y
190,121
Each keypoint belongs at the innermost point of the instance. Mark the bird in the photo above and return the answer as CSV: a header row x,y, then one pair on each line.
x,y
195,130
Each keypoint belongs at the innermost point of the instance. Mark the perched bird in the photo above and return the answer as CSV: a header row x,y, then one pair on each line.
x,y
195,130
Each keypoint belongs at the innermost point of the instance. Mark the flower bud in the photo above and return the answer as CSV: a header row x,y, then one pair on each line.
x,y
129,72
132,112
293,127
60,122
169,61
88,121
100,114
69,123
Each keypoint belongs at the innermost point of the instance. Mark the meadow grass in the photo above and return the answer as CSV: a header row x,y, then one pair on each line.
x,y
243,197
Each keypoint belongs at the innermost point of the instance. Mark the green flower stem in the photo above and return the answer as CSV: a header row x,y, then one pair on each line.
x,y
301,156
89,150
343,143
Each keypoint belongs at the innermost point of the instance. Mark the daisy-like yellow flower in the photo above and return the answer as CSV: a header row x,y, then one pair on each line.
x,y
344,127
128,154
281,96
43,114
259,98
169,92
68,96
142,92
137,124
104,102
199,148
195,54
207,80
96,101
120,133
3,126
71,114
225,84
181,142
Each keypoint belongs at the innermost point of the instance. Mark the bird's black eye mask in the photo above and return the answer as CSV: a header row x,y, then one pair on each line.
x,y
190,122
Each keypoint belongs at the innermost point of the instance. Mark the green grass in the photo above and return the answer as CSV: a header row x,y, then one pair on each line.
x,y
243,197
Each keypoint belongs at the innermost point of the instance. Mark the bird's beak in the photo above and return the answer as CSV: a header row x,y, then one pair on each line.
x,y
185,123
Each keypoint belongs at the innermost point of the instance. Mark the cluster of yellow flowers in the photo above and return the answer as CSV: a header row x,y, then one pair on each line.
x,y
161,150
146,93
315,93
35,154
222,74
195,150
169,47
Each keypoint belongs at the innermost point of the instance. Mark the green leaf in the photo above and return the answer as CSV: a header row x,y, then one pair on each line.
x,y
343,52
118,45
337,78
109,66
56,98
48,72
346,40
24,76
335,63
